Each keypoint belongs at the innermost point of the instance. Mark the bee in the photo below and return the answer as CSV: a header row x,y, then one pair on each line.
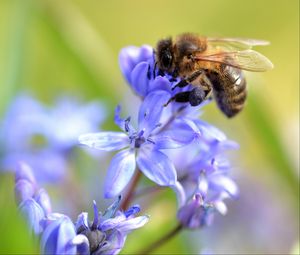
x,y
213,66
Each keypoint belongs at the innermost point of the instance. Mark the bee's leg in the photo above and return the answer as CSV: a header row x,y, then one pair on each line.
x,y
181,97
197,96
188,80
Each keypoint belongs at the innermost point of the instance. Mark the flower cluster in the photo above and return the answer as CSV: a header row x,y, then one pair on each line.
x,y
171,145
106,234
44,137
166,142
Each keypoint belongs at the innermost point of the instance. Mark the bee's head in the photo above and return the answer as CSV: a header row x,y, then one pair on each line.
x,y
164,55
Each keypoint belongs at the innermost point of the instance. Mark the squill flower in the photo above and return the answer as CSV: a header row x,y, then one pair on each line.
x,y
44,136
141,146
106,234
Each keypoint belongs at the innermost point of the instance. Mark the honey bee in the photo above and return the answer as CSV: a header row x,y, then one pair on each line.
x,y
213,66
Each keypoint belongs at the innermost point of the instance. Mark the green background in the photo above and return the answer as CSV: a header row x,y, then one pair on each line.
x,y
53,47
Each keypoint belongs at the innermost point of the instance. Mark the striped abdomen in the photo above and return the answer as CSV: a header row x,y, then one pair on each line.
x,y
229,89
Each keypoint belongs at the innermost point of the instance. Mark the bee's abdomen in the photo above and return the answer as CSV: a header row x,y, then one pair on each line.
x,y
229,88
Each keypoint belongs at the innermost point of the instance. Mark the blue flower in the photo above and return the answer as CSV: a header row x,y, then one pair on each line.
x,y
141,146
138,67
33,203
44,136
203,174
59,235
196,213
106,234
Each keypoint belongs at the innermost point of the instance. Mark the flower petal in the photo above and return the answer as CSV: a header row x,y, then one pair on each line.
x,y
120,172
178,135
157,167
130,56
43,199
24,172
132,211
222,182
23,190
112,222
151,109
139,79
82,243
57,237
107,141
126,226
210,132
33,213
180,194
82,222
160,83
113,245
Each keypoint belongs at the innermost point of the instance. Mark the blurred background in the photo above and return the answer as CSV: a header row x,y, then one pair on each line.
x,y
51,48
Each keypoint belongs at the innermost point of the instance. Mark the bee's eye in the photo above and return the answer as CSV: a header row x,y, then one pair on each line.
x,y
166,60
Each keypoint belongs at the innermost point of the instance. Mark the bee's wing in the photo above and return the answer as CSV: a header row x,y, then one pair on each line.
x,y
249,60
231,44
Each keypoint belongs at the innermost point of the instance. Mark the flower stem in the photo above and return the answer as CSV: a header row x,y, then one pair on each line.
x,y
127,199
168,236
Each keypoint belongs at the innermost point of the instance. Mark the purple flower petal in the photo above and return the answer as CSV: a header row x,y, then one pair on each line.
x,y
82,221
51,218
48,165
24,172
96,216
180,194
113,245
210,132
132,211
120,172
43,199
203,185
112,222
126,226
222,182
74,119
130,56
187,212
151,109
157,167
34,214
178,135
160,83
57,237
23,190
107,141
139,79
82,243
221,207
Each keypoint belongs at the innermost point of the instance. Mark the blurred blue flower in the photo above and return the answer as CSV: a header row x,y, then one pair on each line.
x,y
196,213
203,172
106,234
44,136
141,146
33,203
